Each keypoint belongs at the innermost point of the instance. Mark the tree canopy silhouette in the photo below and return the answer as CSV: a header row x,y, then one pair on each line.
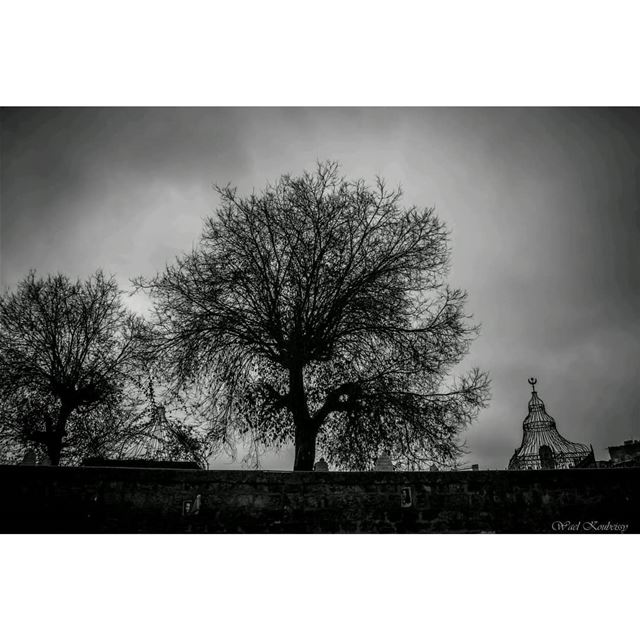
x,y
317,312
66,350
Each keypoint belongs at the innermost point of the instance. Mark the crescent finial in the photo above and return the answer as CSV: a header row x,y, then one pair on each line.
x,y
533,382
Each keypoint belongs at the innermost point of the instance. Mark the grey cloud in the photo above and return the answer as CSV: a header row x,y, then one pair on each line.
x,y
543,206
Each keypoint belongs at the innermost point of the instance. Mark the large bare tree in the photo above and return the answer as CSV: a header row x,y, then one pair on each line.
x,y
66,350
317,312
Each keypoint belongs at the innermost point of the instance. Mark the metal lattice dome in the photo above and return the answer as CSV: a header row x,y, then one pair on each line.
x,y
542,446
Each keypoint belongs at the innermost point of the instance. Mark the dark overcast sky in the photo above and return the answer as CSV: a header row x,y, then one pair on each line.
x,y
543,205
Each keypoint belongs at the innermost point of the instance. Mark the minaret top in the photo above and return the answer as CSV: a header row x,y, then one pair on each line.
x,y
542,446
536,404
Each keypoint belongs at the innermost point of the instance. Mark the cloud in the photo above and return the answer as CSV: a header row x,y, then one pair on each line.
x,y
542,204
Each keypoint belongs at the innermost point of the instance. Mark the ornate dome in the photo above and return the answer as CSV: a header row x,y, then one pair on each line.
x,y
542,446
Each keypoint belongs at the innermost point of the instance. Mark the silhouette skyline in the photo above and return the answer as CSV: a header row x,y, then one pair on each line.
x,y
542,204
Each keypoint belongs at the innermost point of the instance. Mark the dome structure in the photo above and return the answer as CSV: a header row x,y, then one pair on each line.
x,y
542,446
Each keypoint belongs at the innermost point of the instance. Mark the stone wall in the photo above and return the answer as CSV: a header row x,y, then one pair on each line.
x,y
98,499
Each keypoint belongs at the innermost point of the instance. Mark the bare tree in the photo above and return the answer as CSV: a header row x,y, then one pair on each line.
x,y
318,311
66,349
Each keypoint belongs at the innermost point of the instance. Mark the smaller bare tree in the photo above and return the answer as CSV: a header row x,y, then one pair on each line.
x,y
66,351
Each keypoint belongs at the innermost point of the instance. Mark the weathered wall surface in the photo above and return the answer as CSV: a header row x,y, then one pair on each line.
x,y
107,500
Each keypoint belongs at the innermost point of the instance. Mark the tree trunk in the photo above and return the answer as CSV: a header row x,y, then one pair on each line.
x,y
305,448
56,433
54,448
306,432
